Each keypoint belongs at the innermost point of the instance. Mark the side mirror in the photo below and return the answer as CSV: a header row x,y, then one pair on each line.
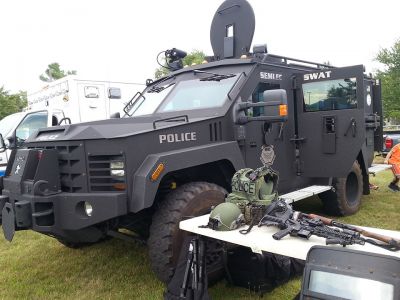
x,y
115,115
274,104
12,140
2,144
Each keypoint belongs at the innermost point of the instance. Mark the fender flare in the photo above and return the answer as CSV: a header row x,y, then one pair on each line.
x,y
144,189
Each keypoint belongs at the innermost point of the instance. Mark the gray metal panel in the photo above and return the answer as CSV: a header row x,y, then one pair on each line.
x,y
376,168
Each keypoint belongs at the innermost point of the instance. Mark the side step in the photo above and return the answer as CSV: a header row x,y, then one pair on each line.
x,y
304,193
376,168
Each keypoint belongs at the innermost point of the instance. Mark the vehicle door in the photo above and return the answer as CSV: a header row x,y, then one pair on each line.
x,y
377,112
330,120
373,115
258,133
92,102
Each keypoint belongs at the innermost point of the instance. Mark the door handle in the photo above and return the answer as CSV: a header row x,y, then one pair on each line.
x,y
353,127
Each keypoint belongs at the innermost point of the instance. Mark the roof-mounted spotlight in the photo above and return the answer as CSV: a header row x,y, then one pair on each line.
x,y
260,49
173,59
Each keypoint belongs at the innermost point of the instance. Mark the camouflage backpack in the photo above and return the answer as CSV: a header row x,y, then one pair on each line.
x,y
253,191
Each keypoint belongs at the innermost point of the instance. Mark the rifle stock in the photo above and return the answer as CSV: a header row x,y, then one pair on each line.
x,y
383,238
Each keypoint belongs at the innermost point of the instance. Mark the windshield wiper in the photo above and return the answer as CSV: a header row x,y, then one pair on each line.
x,y
157,89
214,76
131,104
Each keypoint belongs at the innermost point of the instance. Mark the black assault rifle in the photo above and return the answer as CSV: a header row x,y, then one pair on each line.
x,y
302,225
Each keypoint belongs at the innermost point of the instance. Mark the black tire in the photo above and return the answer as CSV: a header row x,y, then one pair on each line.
x,y
346,198
191,199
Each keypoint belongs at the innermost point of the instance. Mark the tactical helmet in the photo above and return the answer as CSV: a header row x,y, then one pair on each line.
x,y
226,216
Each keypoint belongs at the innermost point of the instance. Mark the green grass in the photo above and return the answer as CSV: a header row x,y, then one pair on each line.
x,y
34,266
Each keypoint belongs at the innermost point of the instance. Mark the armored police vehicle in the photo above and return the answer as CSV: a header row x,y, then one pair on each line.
x,y
174,152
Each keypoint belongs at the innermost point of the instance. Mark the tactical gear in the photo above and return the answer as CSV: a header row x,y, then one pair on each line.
x,y
252,191
225,216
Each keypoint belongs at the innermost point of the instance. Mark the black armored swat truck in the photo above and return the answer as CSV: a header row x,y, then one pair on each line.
x,y
174,152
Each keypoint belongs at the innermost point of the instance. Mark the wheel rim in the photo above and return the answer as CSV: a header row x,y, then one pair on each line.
x,y
352,188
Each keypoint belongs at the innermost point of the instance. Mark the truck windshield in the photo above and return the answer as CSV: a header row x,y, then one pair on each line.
x,y
197,94
8,123
150,100
184,95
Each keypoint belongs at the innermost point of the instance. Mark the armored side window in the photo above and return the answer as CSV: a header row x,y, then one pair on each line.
x,y
91,92
114,93
330,95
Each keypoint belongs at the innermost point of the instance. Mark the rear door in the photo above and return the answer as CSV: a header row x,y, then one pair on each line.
x,y
377,109
92,102
330,120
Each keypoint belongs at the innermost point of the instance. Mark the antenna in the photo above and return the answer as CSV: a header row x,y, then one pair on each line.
x,y
232,29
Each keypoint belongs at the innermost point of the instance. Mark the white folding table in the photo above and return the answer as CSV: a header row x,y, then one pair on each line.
x,y
260,239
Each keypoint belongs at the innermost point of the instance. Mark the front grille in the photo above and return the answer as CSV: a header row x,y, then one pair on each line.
x,y
106,173
71,166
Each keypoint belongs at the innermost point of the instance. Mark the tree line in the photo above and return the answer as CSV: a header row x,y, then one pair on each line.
x,y
390,78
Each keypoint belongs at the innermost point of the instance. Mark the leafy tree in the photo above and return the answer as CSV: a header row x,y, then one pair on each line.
x,y
11,103
196,56
54,72
344,94
390,58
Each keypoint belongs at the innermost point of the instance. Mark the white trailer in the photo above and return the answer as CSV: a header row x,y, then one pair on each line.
x,y
70,99
84,100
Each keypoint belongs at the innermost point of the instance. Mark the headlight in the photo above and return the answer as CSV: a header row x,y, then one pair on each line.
x,y
88,209
117,168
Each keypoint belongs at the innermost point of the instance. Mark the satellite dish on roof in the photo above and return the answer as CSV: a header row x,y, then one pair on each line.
x,y
232,29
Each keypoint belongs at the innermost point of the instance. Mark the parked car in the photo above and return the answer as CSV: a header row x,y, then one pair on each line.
x,y
391,138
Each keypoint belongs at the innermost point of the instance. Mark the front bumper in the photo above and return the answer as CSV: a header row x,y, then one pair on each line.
x,y
31,198
58,213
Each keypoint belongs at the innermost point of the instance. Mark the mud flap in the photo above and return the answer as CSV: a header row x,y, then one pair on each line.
x,y
8,219
3,199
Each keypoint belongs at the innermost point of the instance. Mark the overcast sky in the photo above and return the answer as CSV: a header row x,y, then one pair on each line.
x,y
119,40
